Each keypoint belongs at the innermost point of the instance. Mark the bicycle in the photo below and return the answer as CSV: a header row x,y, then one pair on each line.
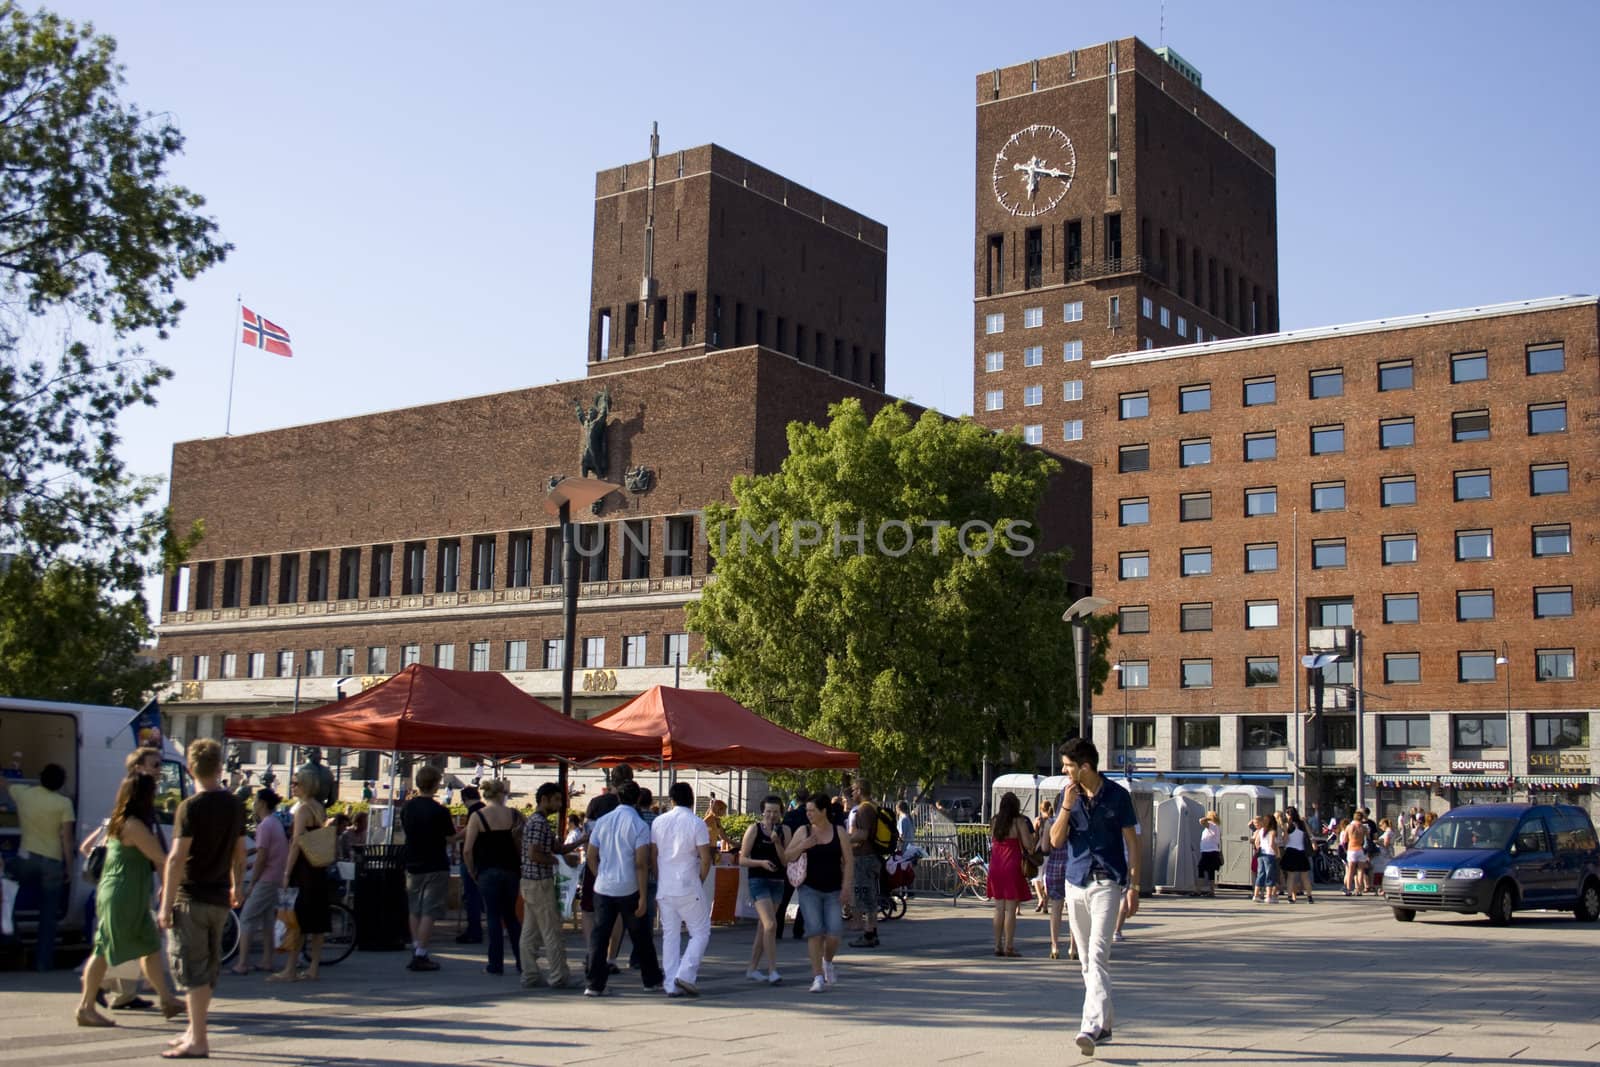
x,y
337,943
970,878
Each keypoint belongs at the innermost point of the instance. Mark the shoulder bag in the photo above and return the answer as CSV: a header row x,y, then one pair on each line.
x,y
797,870
318,846
94,864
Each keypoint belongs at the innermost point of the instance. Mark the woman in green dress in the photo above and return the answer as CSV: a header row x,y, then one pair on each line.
x,y
126,927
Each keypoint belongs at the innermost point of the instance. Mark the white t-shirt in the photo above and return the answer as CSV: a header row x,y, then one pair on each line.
x,y
1210,839
678,836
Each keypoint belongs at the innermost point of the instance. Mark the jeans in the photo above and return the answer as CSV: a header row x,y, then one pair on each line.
x,y
693,912
607,911
499,891
541,928
1092,913
634,960
47,877
472,904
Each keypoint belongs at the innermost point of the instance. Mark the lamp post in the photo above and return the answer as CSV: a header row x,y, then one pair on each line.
x,y
1121,667
1504,660
1314,663
1077,616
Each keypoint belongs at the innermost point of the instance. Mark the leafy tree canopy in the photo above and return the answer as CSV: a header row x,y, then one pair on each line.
x,y
933,639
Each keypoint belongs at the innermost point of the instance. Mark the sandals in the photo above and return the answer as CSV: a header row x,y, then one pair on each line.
x,y
1012,953
1055,954
94,1018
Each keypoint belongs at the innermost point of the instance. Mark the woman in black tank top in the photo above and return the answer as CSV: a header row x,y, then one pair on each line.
x,y
829,868
494,860
760,855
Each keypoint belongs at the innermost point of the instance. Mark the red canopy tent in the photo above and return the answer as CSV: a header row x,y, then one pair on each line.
x,y
700,728
431,711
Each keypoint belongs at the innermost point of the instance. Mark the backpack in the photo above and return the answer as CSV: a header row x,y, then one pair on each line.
x,y
886,835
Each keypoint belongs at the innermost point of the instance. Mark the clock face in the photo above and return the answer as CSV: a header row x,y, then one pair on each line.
x,y
1034,169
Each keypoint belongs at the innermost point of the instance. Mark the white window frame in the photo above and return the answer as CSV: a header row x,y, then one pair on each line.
x,y
994,322
1033,356
994,400
994,361
1072,311
1072,389
1032,318
1072,430
1033,435
1032,396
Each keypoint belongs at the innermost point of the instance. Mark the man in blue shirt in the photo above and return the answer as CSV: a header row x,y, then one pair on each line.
x,y
1095,824
619,859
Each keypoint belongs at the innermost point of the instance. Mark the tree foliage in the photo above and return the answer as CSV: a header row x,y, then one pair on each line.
x,y
922,659
91,231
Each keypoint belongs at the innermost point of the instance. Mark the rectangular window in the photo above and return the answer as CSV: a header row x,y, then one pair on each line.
x,y
415,562
594,652
1132,458
1399,548
1135,674
317,578
1474,666
1546,359
1395,375
1400,491
444,656
230,665
1260,671
1196,561
1474,605
478,656
677,649
1259,447
1194,618
1472,485
1547,479
1133,405
635,549
1400,608
519,571
1261,501
634,650
483,562
1555,664
448,571
1033,259
1032,318
1474,544
1033,435
1183,326
1164,317
382,570
1193,398
1264,731
410,654
202,668
1032,396
1133,732
553,653
1260,558
680,546
1469,367
1258,391
1033,356
994,322
1071,351
349,573
516,655
1327,496
1552,602
1196,674
260,568
1134,619
285,664
288,579
1547,418
1194,507
1555,540
378,660
1326,440
1147,307
1328,553
1072,430
1072,389
1200,732
1560,731
1260,614
1469,426
994,399
345,661
314,663
1397,433
1408,731
1134,511
232,581
1196,453
1326,383
1072,311
994,361
1340,731
1134,565
1475,732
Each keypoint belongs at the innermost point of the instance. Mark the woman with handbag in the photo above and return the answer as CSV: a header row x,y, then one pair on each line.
x,y
311,850
760,852
126,929
819,868
1012,844
493,855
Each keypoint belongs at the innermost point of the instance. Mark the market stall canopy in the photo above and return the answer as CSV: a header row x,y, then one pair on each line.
x,y
431,711
700,728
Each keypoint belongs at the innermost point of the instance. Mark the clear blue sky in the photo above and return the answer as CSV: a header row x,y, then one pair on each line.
x,y
410,186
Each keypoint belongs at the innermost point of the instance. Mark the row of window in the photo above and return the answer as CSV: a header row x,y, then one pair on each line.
x,y
323,583
635,652
1330,552
1472,605
1394,731
1399,668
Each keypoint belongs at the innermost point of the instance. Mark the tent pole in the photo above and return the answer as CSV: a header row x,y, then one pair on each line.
x,y
394,766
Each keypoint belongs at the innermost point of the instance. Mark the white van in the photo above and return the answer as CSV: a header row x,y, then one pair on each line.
x,y
92,742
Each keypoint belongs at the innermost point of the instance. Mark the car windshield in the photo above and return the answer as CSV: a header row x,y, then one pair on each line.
x,y
1468,832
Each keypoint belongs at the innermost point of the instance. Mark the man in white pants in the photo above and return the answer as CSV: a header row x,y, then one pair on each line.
x,y
1095,823
683,858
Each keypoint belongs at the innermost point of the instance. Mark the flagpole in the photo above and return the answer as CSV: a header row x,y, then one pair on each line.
x,y
233,364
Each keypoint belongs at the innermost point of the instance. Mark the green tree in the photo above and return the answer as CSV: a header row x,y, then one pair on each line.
x,y
922,658
91,231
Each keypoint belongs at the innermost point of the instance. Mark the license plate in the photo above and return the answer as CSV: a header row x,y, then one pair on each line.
x,y
1419,887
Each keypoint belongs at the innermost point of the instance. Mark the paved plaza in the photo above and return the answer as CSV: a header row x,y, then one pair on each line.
x,y
1197,981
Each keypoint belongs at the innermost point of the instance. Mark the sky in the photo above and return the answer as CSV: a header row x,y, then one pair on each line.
x,y
409,188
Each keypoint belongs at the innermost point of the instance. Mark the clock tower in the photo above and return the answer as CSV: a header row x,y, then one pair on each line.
x,y
1119,207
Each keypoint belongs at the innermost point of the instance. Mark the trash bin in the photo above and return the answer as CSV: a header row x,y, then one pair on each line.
x,y
382,923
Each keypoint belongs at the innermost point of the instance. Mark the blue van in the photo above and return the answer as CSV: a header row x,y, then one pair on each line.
x,y
1498,859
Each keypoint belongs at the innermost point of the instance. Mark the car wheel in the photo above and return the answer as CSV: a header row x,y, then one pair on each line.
x,y
1501,905
1588,909
1405,915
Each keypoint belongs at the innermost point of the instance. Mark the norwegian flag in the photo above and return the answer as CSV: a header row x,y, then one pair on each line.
x,y
263,333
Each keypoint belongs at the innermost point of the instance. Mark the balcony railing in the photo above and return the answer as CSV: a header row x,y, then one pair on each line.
x,y
1105,268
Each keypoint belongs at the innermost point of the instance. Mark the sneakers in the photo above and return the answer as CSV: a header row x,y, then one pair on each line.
x,y
774,978
1118,936
1085,1043
422,963
757,976
819,985
590,991
828,973
688,989
865,941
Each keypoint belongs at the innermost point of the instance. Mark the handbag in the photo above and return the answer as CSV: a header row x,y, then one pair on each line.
x,y
1030,866
318,846
797,871
94,864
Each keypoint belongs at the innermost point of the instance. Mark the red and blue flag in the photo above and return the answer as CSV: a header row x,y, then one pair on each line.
x,y
266,334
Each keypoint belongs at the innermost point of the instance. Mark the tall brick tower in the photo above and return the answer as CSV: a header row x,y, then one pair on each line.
x,y
1118,207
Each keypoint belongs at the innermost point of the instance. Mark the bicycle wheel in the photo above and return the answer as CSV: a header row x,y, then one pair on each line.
x,y
897,904
339,941
230,936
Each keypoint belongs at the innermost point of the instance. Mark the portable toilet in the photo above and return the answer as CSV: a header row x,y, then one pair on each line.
x,y
1236,806
1205,794
1146,794
1177,842
1027,788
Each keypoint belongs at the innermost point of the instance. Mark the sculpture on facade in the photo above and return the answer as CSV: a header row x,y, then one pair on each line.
x,y
593,421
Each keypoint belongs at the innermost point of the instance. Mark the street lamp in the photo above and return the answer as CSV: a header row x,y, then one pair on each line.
x,y
1077,616
1314,663
1121,667
1504,660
